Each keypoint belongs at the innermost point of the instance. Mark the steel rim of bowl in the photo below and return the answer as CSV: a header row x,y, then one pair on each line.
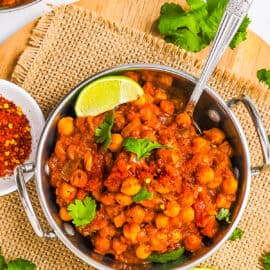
x,y
122,68
18,7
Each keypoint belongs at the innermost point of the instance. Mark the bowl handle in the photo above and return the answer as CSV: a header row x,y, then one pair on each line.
x,y
257,121
23,193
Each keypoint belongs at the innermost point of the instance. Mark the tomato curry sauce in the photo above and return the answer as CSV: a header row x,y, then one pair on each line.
x,y
189,179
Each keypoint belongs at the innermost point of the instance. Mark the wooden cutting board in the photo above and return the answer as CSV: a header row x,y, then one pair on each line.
x,y
245,60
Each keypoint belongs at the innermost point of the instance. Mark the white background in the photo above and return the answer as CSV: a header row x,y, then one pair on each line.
x,y
12,21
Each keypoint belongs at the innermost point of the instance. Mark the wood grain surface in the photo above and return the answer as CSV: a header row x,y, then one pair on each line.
x,y
245,60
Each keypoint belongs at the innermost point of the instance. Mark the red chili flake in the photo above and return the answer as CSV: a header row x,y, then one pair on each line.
x,y
15,137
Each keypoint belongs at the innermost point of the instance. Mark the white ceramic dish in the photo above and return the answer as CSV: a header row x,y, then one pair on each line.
x,y
33,113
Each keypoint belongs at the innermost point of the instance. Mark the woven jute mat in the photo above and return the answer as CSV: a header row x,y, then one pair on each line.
x,y
67,46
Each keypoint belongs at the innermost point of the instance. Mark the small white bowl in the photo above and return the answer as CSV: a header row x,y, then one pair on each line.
x,y
30,108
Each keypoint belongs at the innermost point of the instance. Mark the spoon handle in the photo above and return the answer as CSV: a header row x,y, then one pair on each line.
x,y
233,16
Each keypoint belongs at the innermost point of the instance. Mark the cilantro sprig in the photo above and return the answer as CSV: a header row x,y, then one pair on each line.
x,y
237,234
143,194
16,264
224,214
264,76
103,132
266,261
82,211
195,28
166,257
141,147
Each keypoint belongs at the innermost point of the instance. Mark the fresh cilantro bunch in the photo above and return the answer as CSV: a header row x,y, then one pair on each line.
x,y
264,76
17,264
266,261
195,28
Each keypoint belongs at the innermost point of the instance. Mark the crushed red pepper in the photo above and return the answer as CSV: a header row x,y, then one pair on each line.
x,y
15,137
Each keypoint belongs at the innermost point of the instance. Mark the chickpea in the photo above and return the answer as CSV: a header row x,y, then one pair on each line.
x,y
167,106
108,231
123,199
72,151
135,214
226,148
116,143
64,215
205,175
215,135
133,75
192,242
146,113
159,241
119,220
183,120
66,192
131,186
161,221
88,161
172,209
102,244
200,145
60,150
79,178
187,215
216,183
187,199
131,231
222,201
65,126
149,216
230,185
176,236
118,246
107,198
143,251
160,95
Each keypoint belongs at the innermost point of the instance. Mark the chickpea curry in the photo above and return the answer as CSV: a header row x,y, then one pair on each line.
x,y
146,182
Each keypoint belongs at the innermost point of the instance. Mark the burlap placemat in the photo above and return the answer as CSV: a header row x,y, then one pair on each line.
x,y
66,47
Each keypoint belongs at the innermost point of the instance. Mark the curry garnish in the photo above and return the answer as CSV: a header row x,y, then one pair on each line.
x,y
82,211
103,132
143,194
141,147
224,214
237,234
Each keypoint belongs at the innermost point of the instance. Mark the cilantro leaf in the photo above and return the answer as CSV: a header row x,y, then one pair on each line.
x,y
264,76
223,214
2,261
266,261
166,257
195,28
82,211
143,194
20,264
141,147
266,258
103,132
237,234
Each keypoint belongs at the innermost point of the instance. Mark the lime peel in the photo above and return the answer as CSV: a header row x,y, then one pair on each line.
x,y
105,94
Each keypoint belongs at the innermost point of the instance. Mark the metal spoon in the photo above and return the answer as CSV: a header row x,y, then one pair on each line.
x,y
233,16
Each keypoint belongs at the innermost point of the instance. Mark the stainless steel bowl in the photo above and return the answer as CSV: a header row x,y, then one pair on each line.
x,y
211,111
18,6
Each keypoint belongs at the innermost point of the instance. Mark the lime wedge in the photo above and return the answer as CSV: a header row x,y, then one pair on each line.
x,y
104,94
